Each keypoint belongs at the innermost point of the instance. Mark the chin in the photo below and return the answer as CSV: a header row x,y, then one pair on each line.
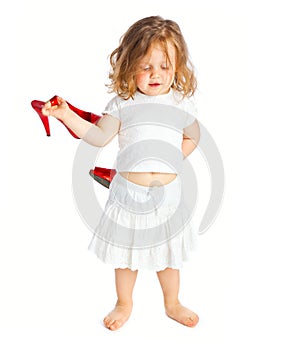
x,y
154,93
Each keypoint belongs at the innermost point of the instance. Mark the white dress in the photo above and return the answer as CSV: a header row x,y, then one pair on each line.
x,y
148,227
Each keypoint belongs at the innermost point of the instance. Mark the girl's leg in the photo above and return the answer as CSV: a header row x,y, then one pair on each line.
x,y
125,281
170,281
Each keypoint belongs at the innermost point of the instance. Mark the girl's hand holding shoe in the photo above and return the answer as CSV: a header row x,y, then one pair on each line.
x,y
56,107
97,133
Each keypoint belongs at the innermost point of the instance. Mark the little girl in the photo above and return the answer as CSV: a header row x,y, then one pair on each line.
x,y
144,225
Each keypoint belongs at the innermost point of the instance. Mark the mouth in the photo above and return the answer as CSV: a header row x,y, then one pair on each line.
x,y
154,85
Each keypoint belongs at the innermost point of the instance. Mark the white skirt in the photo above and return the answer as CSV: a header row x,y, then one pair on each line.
x,y
144,227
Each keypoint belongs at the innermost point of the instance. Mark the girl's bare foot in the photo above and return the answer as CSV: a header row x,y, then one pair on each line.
x,y
181,314
118,316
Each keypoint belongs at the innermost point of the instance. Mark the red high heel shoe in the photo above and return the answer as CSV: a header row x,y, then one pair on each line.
x,y
103,175
38,105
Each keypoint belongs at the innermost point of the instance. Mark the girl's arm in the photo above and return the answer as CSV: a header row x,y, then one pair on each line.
x,y
191,138
97,135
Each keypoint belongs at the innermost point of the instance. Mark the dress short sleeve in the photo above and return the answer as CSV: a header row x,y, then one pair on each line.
x,y
113,108
191,111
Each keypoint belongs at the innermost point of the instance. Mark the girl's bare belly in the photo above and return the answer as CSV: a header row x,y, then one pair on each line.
x,y
145,179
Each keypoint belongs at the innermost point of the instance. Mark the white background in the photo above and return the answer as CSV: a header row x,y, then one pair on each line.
x,y
241,281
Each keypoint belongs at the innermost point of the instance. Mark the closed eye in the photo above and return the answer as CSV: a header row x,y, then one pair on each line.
x,y
146,68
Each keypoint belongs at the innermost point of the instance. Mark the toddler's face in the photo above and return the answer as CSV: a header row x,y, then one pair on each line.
x,y
155,74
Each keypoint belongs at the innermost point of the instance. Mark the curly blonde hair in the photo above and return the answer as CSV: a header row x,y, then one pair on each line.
x,y
135,44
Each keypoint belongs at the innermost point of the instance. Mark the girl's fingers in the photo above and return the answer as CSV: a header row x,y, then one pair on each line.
x,y
47,105
55,107
62,102
47,109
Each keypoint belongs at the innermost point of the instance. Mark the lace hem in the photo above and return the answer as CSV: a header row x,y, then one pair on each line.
x,y
170,254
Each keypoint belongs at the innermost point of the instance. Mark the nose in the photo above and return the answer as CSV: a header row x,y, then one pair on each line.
x,y
155,72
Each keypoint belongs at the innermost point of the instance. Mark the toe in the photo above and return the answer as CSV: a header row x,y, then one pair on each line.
x,y
192,321
107,322
115,325
189,322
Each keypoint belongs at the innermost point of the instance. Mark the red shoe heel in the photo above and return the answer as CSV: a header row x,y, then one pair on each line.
x,y
37,106
103,175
